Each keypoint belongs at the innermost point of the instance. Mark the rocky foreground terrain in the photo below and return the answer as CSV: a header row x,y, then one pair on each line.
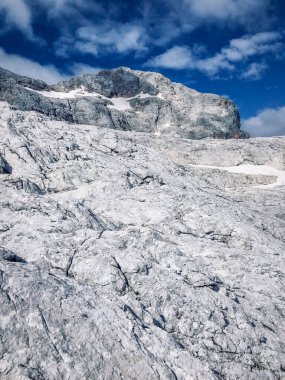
x,y
132,251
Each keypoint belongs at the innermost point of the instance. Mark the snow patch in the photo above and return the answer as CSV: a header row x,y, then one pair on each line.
x,y
253,170
160,96
119,103
72,94
261,170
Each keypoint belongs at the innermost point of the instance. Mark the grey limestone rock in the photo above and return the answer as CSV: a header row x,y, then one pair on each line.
x,y
132,255
110,83
126,99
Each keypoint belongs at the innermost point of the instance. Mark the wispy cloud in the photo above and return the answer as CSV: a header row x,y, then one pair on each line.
x,y
48,73
70,14
17,15
102,28
238,51
110,37
82,68
28,67
177,57
166,20
252,45
183,17
114,37
183,57
268,122
254,71
248,13
106,26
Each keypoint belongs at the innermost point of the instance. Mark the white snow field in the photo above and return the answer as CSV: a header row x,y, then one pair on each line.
x,y
253,170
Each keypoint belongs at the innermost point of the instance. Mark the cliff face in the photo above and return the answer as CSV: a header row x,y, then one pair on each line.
x,y
126,100
136,255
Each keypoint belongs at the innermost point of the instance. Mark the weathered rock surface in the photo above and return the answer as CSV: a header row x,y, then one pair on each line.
x,y
122,258
126,99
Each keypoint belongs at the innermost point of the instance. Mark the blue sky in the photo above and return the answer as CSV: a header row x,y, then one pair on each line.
x,y
229,47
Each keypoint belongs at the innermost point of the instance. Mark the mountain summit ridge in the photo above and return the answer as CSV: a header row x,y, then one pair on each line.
x,y
153,103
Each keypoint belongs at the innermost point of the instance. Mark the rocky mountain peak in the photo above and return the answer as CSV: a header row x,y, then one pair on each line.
x,y
127,99
110,83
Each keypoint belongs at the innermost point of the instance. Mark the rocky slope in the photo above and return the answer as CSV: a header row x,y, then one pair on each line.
x,y
134,255
126,100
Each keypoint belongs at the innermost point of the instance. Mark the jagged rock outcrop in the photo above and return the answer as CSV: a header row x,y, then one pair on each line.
x,y
125,255
126,99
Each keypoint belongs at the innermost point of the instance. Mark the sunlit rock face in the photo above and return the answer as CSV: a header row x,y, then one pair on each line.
x,y
126,99
136,255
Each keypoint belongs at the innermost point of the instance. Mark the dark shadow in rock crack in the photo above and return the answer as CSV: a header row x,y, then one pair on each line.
x,y
5,168
15,259
11,256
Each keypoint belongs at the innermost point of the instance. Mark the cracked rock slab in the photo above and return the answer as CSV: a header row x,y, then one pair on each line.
x,y
121,258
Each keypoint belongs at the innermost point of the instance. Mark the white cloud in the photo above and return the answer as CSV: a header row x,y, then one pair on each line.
x,y
184,16
17,14
248,13
156,23
93,27
25,66
177,57
238,50
254,71
213,65
110,37
48,73
60,7
182,57
116,37
68,15
268,122
213,8
83,68
251,45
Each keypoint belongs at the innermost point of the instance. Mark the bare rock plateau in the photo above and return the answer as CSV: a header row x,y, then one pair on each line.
x,y
142,233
